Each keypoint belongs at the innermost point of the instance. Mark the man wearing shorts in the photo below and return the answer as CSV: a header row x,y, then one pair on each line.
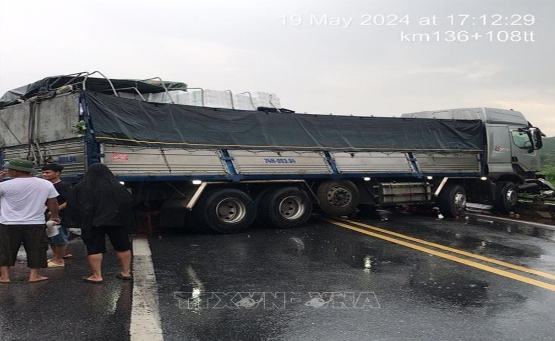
x,y
22,221
103,207
58,243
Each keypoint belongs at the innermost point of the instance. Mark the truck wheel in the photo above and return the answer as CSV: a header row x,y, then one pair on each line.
x,y
506,197
452,200
226,210
338,197
284,207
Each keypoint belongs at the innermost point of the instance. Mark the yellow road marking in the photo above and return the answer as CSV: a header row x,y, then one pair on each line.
x,y
447,256
450,249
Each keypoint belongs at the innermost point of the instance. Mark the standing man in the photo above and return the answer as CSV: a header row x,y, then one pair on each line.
x,y
22,205
58,243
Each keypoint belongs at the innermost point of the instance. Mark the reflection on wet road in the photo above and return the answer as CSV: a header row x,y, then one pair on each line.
x,y
352,225
65,307
214,287
412,277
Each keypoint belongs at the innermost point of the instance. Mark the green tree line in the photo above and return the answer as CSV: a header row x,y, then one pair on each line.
x,y
547,155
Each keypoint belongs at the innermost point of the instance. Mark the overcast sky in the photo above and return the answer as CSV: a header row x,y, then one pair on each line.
x,y
313,67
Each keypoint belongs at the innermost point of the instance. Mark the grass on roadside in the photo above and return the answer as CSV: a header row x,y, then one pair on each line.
x,y
549,172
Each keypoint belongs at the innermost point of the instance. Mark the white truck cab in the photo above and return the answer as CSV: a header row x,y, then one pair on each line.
x,y
511,155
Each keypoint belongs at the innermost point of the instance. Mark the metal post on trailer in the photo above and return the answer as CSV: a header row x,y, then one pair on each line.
x,y
250,98
107,79
231,97
136,90
165,159
68,83
201,94
228,160
94,151
163,86
331,162
412,161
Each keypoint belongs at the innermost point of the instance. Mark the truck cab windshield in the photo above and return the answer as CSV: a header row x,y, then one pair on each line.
x,y
522,139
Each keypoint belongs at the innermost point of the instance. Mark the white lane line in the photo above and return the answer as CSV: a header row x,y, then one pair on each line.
x,y
194,278
145,316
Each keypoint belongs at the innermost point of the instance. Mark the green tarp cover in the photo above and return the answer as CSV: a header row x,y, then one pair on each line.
x,y
127,121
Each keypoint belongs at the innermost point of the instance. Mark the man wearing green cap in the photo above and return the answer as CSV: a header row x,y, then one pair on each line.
x,y
22,206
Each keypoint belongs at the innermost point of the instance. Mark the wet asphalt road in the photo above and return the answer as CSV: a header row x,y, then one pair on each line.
x,y
64,307
318,282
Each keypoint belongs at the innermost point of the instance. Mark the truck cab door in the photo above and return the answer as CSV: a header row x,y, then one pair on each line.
x,y
523,152
499,149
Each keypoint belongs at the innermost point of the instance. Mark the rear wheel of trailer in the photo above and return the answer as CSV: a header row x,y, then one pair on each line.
x,y
225,210
284,207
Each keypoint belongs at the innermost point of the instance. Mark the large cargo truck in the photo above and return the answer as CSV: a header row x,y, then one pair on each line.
x,y
222,169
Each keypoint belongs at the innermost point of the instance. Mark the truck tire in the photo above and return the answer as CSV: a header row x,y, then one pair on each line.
x,y
226,210
338,197
452,200
506,197
284,208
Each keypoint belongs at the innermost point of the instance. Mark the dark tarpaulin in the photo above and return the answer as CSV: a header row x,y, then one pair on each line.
x,y
47,85
126,121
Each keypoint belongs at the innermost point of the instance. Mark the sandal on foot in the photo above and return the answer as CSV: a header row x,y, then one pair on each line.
x,y
52,264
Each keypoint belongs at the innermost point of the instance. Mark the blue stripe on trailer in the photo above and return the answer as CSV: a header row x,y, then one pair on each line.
x,y
412,162
92,147
228,159
333,165
238,178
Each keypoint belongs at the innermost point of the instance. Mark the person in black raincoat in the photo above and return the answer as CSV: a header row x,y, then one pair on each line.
x,y
101,206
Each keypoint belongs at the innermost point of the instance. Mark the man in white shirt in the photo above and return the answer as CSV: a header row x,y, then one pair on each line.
x,y
22,206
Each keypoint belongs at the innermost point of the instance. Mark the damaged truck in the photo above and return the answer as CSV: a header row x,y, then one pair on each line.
x,y
224,168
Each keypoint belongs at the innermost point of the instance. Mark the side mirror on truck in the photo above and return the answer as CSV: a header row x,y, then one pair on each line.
x,y
538,143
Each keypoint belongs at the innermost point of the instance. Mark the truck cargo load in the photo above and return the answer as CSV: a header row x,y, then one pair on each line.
x,y
126,121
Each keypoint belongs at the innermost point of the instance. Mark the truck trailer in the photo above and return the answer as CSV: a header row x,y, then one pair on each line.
x,y
223,169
